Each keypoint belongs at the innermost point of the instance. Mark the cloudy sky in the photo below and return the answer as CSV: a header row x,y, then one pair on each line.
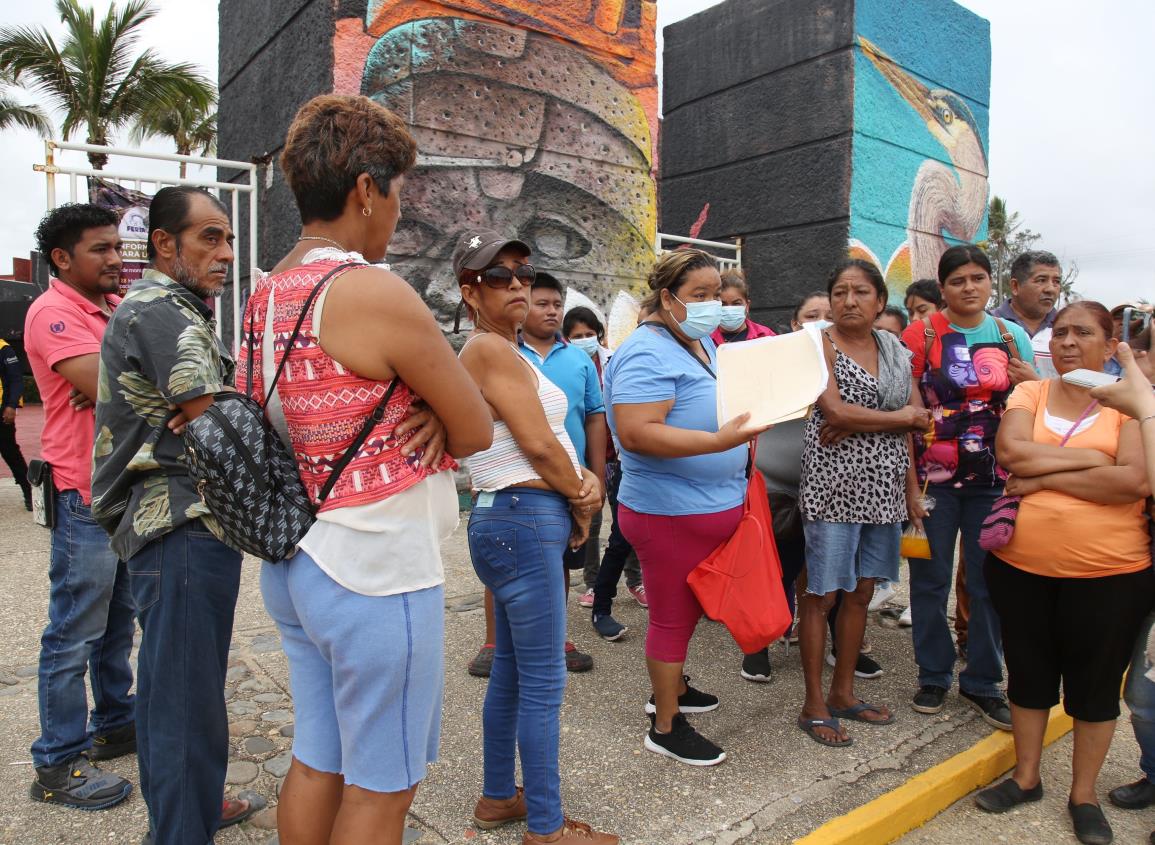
x,y
1071,126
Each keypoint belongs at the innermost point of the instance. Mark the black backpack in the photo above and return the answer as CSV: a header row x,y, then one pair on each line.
x,y
246,474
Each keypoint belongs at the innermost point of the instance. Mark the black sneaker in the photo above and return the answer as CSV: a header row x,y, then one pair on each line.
x,y
684,744
756,667
79,784
1006,796
482,663
691,701
577,661
994,708
864,667
609,628
114,744
928,699
1133,796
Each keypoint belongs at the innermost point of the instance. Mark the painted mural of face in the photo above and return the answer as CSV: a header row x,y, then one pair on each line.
x,y
521,133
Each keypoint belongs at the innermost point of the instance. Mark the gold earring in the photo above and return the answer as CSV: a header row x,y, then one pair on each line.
x,y
367,211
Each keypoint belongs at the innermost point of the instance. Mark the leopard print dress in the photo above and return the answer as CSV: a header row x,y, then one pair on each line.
x,y
863,478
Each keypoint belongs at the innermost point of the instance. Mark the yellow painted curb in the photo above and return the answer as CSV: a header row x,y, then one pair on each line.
x,y
924,796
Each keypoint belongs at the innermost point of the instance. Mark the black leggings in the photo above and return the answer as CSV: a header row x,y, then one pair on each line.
x,y
10,452
1076,630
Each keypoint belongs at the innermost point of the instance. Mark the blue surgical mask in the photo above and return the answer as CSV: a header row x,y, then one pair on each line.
x,y
733,317
701,317
588,345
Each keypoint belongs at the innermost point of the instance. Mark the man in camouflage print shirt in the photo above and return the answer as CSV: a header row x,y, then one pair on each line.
x,y
160,364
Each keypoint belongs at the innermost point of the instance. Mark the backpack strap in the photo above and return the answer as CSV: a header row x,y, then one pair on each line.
x,y
296,329
930,334
1008,339
370,423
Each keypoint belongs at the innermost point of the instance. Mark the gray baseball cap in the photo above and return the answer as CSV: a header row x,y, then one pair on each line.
x,y
477,248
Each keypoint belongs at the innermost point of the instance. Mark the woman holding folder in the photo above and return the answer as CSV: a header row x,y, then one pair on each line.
x,y
683,478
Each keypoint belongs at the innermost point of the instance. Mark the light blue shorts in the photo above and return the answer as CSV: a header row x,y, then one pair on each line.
x,y
840,554
366,674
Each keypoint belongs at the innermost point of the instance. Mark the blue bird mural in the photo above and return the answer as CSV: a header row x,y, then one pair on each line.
x,y
945,200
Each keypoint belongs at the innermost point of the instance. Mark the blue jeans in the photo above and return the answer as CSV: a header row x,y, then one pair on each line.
x,y
1139,693
956,510
185,585
516,543
90,624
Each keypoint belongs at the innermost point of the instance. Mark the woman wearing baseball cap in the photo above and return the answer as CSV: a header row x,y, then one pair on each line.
x,y
531,498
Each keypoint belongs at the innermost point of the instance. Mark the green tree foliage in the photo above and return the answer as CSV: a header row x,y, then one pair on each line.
x,y
192,129
92,76
1007,238
15,113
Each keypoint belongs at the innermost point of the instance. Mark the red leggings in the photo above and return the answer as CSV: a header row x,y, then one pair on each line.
x,y
668,548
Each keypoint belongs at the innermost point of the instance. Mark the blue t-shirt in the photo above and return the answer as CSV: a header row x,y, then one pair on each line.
x,y
574,372
653,367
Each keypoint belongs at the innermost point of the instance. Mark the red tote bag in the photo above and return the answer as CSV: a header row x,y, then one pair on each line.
x,y
740,583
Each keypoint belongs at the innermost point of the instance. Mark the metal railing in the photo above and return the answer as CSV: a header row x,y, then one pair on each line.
x,y
733,262
51,169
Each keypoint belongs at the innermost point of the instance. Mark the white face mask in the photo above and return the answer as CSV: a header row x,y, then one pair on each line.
x,y
588,345
733,317
701,317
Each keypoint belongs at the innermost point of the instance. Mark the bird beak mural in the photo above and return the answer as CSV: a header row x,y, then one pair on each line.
x,y
909,88
946,200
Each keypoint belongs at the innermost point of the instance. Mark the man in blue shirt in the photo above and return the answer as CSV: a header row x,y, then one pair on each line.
x,y
571,370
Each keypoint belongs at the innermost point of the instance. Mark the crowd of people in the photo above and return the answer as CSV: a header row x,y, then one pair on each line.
x,y
936,418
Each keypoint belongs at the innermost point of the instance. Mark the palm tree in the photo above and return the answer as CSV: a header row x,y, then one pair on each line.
x,y
13,113
92,77
189,126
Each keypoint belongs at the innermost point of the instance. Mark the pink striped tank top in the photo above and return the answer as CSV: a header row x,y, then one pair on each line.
x,y
504,464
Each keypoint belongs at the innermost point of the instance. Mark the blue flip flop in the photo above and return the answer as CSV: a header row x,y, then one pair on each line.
x,y
855,711
807,726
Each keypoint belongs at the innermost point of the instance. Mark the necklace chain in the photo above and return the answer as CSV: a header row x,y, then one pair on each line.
x,y
320,238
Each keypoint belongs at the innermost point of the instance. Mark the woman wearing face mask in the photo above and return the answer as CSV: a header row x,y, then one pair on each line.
x,y
582,328
683,478
736,324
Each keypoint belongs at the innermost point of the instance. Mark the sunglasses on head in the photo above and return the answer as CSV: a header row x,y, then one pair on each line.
x,y
502,277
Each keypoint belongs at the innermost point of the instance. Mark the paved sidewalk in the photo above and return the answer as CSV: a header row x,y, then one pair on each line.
x,y
776,785
1047,821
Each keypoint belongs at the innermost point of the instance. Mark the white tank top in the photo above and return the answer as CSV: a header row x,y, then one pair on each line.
x,y
504,464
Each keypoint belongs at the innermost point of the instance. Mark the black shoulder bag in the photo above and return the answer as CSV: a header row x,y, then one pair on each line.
x,y
245,473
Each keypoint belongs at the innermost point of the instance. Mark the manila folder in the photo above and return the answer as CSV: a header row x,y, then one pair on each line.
x,y
774,378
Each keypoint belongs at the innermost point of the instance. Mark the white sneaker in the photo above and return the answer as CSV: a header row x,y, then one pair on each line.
x,y
586,599
882,594
905,621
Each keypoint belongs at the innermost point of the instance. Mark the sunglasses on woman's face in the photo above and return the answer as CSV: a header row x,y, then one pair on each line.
x,y
501,277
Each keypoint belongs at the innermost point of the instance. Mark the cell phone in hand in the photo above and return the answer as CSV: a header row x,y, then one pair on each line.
x,y
1089,378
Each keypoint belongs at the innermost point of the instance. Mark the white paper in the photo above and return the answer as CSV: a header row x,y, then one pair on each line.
x,y
774,378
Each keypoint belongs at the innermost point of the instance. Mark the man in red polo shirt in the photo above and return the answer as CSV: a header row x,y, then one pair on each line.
x,y
90,608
